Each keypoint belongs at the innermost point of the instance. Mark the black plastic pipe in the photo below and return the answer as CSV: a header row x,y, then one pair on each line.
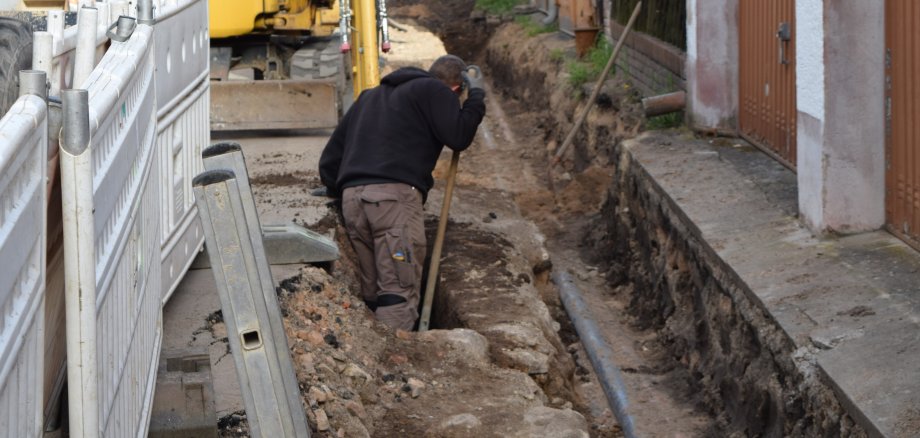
x,y
599,352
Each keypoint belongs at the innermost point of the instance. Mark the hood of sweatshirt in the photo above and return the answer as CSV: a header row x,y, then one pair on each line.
x,y
404,75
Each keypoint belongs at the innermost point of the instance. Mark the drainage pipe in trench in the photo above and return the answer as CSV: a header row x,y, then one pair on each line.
x,y
599,352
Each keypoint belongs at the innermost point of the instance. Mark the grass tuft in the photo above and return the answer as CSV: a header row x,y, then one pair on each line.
x,y
665,121
498,6
591,66
556,55
533,28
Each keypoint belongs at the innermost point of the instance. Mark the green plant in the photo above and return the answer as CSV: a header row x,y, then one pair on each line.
x,y
556,55
598,56
579,73
665,121
533,28
497,6
591,66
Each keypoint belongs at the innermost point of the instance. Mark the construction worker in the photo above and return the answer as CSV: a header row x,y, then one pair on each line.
x,y
379,161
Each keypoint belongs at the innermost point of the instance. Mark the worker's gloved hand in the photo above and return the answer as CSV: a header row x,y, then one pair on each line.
x,y
473,78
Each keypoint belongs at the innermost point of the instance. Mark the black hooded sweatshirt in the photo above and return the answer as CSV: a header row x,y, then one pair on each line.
x,y
395,132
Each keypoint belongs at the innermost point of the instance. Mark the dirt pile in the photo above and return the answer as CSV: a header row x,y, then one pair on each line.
x,y
361,379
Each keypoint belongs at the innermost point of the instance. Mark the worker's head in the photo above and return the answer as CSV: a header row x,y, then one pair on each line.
x,y
449,69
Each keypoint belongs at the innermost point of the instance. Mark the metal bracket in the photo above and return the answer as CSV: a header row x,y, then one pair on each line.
x,y
122,29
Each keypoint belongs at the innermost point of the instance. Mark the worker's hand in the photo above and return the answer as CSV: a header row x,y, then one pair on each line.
x,y
473,78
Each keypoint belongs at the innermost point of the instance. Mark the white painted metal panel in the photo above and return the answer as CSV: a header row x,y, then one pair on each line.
x,y
182,135
182,51
126,187
23,154
183,131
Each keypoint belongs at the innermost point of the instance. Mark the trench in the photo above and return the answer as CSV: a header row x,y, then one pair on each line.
x,y
693,346
697,359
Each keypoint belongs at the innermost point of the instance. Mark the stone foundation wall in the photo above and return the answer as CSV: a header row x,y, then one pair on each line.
x,y
745,366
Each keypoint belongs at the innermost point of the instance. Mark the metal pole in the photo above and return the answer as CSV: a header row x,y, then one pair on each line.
x,y
42,52
600,354
383,23
425,319
246,307
230,156
551,14
56,29
33,82
344,20
85,57
79,265
145,12
366,58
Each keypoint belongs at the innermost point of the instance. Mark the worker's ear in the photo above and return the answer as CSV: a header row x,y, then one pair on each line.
x,y
459,88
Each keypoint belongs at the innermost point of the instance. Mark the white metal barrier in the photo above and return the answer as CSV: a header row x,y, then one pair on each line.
x,y
183,131
125,240
148,122
23,154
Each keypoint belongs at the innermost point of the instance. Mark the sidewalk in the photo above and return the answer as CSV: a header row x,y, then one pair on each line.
x,y
846,307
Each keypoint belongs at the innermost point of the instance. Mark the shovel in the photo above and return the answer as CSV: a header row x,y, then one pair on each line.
x,y
425,319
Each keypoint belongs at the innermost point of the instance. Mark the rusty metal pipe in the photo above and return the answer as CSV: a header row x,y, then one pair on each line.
x,y
664,103
600,354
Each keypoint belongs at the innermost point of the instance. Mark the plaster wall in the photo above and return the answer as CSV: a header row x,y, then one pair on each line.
x,y
809,57
840,91
809,92
712,63
855,120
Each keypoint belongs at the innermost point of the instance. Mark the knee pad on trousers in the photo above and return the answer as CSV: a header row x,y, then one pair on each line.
x,y
385,300
371,305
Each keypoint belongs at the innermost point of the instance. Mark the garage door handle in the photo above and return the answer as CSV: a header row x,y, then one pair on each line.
x,y
783,34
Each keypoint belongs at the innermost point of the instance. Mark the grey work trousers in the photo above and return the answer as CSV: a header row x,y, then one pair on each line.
x,y
386,228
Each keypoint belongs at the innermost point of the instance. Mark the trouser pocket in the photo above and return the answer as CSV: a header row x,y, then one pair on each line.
x,y
402,258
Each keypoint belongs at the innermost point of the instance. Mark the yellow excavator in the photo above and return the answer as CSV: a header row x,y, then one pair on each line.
x,y
292,64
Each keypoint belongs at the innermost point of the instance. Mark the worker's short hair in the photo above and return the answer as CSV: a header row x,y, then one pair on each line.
x,y
448,68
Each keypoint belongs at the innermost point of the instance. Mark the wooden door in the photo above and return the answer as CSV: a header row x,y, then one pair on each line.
x,y
767,76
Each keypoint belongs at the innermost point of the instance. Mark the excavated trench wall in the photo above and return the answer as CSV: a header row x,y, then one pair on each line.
x,y
745,367
744,364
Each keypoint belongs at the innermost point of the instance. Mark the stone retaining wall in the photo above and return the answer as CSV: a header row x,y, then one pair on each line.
x,y
747,368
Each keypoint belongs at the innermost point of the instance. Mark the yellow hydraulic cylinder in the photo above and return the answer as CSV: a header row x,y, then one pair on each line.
x,y
364,51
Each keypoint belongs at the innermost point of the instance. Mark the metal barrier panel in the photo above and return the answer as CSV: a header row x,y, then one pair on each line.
x,y
23,154
126,184
182,52
181,137
182,91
